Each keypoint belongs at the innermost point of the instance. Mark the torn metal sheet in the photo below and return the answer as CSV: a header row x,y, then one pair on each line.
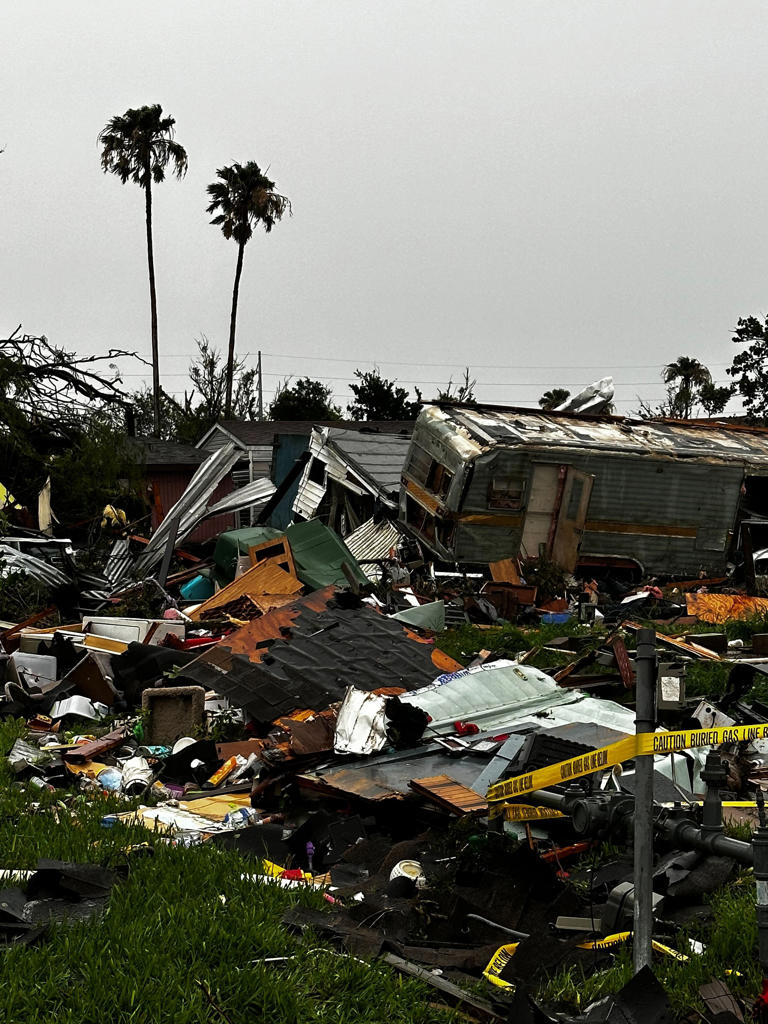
x,y
13,560
491,695
361,724
595,398
357,782
190,508
388,775
371,541
424,616
253,495
363,462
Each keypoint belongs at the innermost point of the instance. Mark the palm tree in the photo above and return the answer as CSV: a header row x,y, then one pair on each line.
x,y
244,198
551,399
685,378
138,146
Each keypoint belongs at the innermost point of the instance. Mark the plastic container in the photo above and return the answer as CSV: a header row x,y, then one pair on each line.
x,y
410,869
110,779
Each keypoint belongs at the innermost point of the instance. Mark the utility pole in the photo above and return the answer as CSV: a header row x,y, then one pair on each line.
x,y
261,388
645,722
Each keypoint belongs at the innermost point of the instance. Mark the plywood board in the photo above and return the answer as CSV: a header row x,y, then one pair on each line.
x,y
264,579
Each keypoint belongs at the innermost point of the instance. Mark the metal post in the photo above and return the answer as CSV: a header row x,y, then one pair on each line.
x,y
760,851
261,388
645,721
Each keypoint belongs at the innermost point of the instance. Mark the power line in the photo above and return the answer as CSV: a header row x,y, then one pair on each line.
x,y
447,366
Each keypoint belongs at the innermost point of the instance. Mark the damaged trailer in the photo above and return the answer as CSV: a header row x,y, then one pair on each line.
x,y
483,482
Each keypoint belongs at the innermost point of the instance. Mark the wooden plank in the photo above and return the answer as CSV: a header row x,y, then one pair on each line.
x,y
622,660
256,582
504,571
449,793
277,551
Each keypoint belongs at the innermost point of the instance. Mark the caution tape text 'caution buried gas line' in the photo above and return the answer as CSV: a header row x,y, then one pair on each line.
x,y
623,750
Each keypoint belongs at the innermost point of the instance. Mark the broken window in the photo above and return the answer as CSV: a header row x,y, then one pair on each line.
x,y
317,471
419,519
418,464
439,479
506,492
574,502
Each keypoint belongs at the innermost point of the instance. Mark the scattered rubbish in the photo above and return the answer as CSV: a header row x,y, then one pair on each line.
x,y
422,700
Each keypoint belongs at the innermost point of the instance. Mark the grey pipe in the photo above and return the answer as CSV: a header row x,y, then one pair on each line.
x,y
502,928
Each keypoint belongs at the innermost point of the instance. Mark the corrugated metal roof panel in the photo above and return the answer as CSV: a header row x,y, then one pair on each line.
x,y
504,694
380,457
373,540
306,654
470,429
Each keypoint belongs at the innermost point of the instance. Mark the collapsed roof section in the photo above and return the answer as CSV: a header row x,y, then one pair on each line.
x,y
306,654
348,465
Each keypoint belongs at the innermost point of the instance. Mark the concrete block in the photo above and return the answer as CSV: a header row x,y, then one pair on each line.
x,y
717,642
174,711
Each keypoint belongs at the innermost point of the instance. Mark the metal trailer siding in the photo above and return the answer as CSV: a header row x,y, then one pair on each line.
x,y
659,492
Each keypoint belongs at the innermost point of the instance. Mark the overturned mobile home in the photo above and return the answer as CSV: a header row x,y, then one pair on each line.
x,y
484,482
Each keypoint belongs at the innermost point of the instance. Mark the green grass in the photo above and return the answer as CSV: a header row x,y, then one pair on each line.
x,y
466,642
730,941
167,930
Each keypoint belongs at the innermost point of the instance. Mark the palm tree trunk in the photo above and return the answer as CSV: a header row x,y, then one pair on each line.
x,y
153,314
232,326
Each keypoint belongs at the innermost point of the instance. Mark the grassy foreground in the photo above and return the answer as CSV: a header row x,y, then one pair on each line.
x,y
182,927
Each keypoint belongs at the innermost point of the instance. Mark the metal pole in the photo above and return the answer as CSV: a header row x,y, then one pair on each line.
x,y
261,389
645,721
760,849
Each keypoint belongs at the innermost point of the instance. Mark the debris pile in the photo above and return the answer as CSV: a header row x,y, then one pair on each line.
x,y
458,758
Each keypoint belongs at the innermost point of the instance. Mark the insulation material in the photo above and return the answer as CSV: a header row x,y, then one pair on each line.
x,y
361,725
720,608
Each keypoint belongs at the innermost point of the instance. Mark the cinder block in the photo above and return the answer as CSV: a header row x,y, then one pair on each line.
x,y
717,642
174,711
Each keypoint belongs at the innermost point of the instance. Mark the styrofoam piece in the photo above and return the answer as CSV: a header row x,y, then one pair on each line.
x,y
132,630
40,667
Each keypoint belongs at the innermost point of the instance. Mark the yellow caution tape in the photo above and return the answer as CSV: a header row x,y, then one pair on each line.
x,y
610,940
618,938
524,812
623,750
498,962
661,948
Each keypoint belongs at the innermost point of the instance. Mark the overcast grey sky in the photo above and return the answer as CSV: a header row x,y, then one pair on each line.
x,y
547,191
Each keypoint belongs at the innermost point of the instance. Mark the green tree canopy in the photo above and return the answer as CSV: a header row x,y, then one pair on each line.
x,y
750,367
556,396
305,400
242,198
464,389
377,398
188,420
691,385
690,389
62,416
